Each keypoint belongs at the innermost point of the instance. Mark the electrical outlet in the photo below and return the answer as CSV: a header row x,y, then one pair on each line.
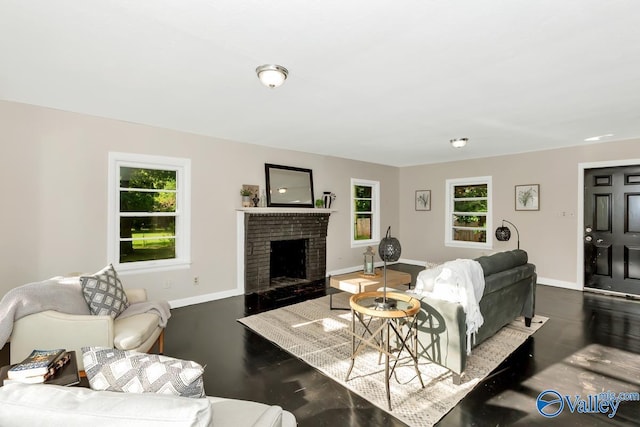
x,y
167,284
196,281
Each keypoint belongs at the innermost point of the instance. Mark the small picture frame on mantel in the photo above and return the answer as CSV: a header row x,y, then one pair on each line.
x,y
423,200
528,197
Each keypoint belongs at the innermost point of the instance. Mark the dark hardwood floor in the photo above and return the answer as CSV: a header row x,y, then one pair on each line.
x,y
243,365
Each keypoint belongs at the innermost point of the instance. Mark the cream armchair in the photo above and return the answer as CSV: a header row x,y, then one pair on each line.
x,y
52,329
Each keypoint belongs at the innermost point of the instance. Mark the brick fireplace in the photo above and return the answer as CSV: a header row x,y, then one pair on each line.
x,y
283,249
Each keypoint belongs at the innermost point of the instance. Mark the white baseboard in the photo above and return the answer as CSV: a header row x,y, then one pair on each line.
x,y
378,264
559,283
183,302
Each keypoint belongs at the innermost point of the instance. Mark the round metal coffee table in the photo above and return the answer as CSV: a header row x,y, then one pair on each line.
x,y
380,325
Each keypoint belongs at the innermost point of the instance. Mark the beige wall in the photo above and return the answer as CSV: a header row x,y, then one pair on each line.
x,y
550,235
54,176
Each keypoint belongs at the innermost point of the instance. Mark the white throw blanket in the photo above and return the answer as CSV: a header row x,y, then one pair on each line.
x,y
65,297
460,281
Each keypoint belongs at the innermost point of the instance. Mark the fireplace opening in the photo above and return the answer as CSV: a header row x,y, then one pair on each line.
x,y
288,262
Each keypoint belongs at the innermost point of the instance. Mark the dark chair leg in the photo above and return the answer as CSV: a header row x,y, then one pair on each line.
x,y
527,321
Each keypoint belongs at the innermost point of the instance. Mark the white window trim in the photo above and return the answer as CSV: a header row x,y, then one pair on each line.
x,y
375,210
183,211
448,237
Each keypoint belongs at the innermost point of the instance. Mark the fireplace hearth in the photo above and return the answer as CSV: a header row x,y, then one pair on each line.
x,y
284,251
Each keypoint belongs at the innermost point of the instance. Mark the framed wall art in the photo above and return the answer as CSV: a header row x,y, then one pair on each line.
x,y
423,200
528,197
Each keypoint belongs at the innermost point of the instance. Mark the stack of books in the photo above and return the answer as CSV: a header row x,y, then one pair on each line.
x,y
41,366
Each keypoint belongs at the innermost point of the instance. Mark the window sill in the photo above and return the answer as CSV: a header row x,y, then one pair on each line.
x,y
468,245
127,269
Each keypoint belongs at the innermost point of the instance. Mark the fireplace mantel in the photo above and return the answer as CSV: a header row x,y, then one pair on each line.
x,y
284,210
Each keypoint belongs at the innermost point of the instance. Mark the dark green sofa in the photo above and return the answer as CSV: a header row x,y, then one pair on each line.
x,y
510,285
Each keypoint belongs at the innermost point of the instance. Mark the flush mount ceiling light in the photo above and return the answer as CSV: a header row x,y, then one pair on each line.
x,y
459,142
272,75
598,138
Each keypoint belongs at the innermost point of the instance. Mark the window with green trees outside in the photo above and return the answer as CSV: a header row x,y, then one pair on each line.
x,y
149,205
365,212
469,213
147,214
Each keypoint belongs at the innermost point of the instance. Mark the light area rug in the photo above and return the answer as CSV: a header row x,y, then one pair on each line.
x,y
322,338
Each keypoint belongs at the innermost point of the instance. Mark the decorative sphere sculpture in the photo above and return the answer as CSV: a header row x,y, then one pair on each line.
x,y
389,248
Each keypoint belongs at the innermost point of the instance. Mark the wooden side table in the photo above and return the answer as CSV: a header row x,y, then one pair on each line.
x,y
356,282
364,309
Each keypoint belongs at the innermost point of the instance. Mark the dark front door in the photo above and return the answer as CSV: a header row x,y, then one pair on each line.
x,y
612,229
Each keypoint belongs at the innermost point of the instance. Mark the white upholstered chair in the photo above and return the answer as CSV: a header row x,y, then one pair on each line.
x,y
52,329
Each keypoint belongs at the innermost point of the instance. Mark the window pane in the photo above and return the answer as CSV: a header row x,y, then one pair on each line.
x,y
363,205
363,227
362,192
470,206
142,201
147,227
469,221
142,250
463,191
151,179
470,235
147,238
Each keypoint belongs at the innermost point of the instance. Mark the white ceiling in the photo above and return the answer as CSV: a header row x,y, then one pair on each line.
x,y
389,82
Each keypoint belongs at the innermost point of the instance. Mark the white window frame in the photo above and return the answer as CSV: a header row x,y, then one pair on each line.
x,y
375,212
182,166
449,212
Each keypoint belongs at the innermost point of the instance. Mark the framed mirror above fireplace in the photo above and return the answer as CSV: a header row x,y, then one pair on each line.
x,y
288,186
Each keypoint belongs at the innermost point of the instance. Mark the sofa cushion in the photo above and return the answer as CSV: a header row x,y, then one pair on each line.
x,y
501,261
53,406
501,279
104,293
261,415
132,372
130,332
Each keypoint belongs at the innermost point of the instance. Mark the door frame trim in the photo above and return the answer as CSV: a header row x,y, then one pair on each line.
x,y
580,211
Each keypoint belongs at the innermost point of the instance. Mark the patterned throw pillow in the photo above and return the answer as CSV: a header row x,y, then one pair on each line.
x,y
104,293
132,372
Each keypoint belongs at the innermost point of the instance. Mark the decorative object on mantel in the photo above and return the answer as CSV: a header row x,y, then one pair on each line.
x,y
247,192
288,186
319,203
528,197
503,233
263,199
246,197
369,269
423,200
389,251
328,197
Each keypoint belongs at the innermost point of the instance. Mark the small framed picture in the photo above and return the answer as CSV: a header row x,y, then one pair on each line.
x,y
423,200
528,197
